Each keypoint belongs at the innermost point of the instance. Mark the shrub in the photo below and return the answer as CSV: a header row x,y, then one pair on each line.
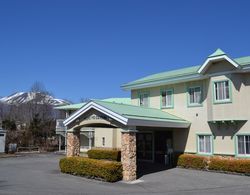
x,y
230,165
176,156
108,154
192,161
107,170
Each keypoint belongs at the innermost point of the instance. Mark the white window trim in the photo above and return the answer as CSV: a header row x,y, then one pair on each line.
x,y
194,104
172,96
229,90
198,144
139,98
237,146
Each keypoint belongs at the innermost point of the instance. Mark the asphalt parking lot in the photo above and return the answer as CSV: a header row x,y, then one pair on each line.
x,y
39,174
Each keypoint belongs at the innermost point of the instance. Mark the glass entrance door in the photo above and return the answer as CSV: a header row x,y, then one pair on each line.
x,y
145,146
87,140
163,145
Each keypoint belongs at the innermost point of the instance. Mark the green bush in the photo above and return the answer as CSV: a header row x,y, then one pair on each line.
x,y
214,163
107,170
192,161
230,165
108,154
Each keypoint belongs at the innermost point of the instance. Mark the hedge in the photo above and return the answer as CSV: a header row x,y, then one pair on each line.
x,y
230,165
108,154
107,170
192,161
224,164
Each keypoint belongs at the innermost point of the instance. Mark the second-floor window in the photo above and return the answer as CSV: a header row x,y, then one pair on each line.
x,y
144,99
222,91
167,100
194,95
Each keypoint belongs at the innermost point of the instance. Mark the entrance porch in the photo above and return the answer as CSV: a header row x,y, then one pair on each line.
x,y
146,135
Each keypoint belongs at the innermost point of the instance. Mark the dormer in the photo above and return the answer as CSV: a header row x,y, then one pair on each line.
x,y
217,58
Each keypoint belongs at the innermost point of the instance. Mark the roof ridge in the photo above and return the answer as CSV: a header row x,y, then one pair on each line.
x,y
241,57
218,52
115,103
167,71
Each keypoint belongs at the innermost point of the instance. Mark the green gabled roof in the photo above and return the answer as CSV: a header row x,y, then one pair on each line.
x,y
179,73
118,100
243,60
218,52
79,105
166,75
138,112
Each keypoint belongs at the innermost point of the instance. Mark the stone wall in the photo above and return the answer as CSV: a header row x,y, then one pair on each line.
x,y
128,155
73,144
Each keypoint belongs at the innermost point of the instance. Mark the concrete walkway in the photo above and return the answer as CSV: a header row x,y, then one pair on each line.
x,y
39,174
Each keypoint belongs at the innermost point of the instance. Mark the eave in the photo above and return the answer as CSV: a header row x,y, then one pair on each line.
x,y
210,60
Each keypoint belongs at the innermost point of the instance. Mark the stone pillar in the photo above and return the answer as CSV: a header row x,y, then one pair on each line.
x,y
73,143
128,155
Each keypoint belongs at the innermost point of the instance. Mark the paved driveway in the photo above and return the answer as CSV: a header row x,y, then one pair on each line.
x,y
39,174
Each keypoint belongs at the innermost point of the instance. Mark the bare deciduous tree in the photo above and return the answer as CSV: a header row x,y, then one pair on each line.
x,y
84,99
38,87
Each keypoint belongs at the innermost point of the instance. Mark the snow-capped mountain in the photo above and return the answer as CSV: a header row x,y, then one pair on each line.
x,y
28,97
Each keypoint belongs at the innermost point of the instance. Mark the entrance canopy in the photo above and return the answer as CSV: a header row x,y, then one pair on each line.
x,y
130,115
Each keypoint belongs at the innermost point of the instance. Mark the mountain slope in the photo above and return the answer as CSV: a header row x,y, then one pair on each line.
x,y
29,97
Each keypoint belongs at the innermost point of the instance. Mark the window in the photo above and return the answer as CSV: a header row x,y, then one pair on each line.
x,y
222,91
244,144
144,99
103,141
205,144
194,95
167,98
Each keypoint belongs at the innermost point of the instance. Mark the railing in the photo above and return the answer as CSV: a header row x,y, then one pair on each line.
x,y
28,149
60,126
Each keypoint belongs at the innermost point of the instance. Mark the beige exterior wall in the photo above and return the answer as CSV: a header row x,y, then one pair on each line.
x,y
117,137
112,137
199,116
107,134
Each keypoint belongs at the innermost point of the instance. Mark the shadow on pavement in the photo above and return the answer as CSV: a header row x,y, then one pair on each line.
x,y
144,168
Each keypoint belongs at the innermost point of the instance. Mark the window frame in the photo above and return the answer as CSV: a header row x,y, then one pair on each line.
x,y
237,148
139,98
188,97
172,97
211,144
215,101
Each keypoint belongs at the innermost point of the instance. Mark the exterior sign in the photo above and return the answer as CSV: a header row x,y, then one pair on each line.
x,y
97,117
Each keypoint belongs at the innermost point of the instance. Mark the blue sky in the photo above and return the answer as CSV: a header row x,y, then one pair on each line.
x,y
87,49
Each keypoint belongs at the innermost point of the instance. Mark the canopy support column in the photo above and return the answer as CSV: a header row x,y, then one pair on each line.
x,y
128,155
73,143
